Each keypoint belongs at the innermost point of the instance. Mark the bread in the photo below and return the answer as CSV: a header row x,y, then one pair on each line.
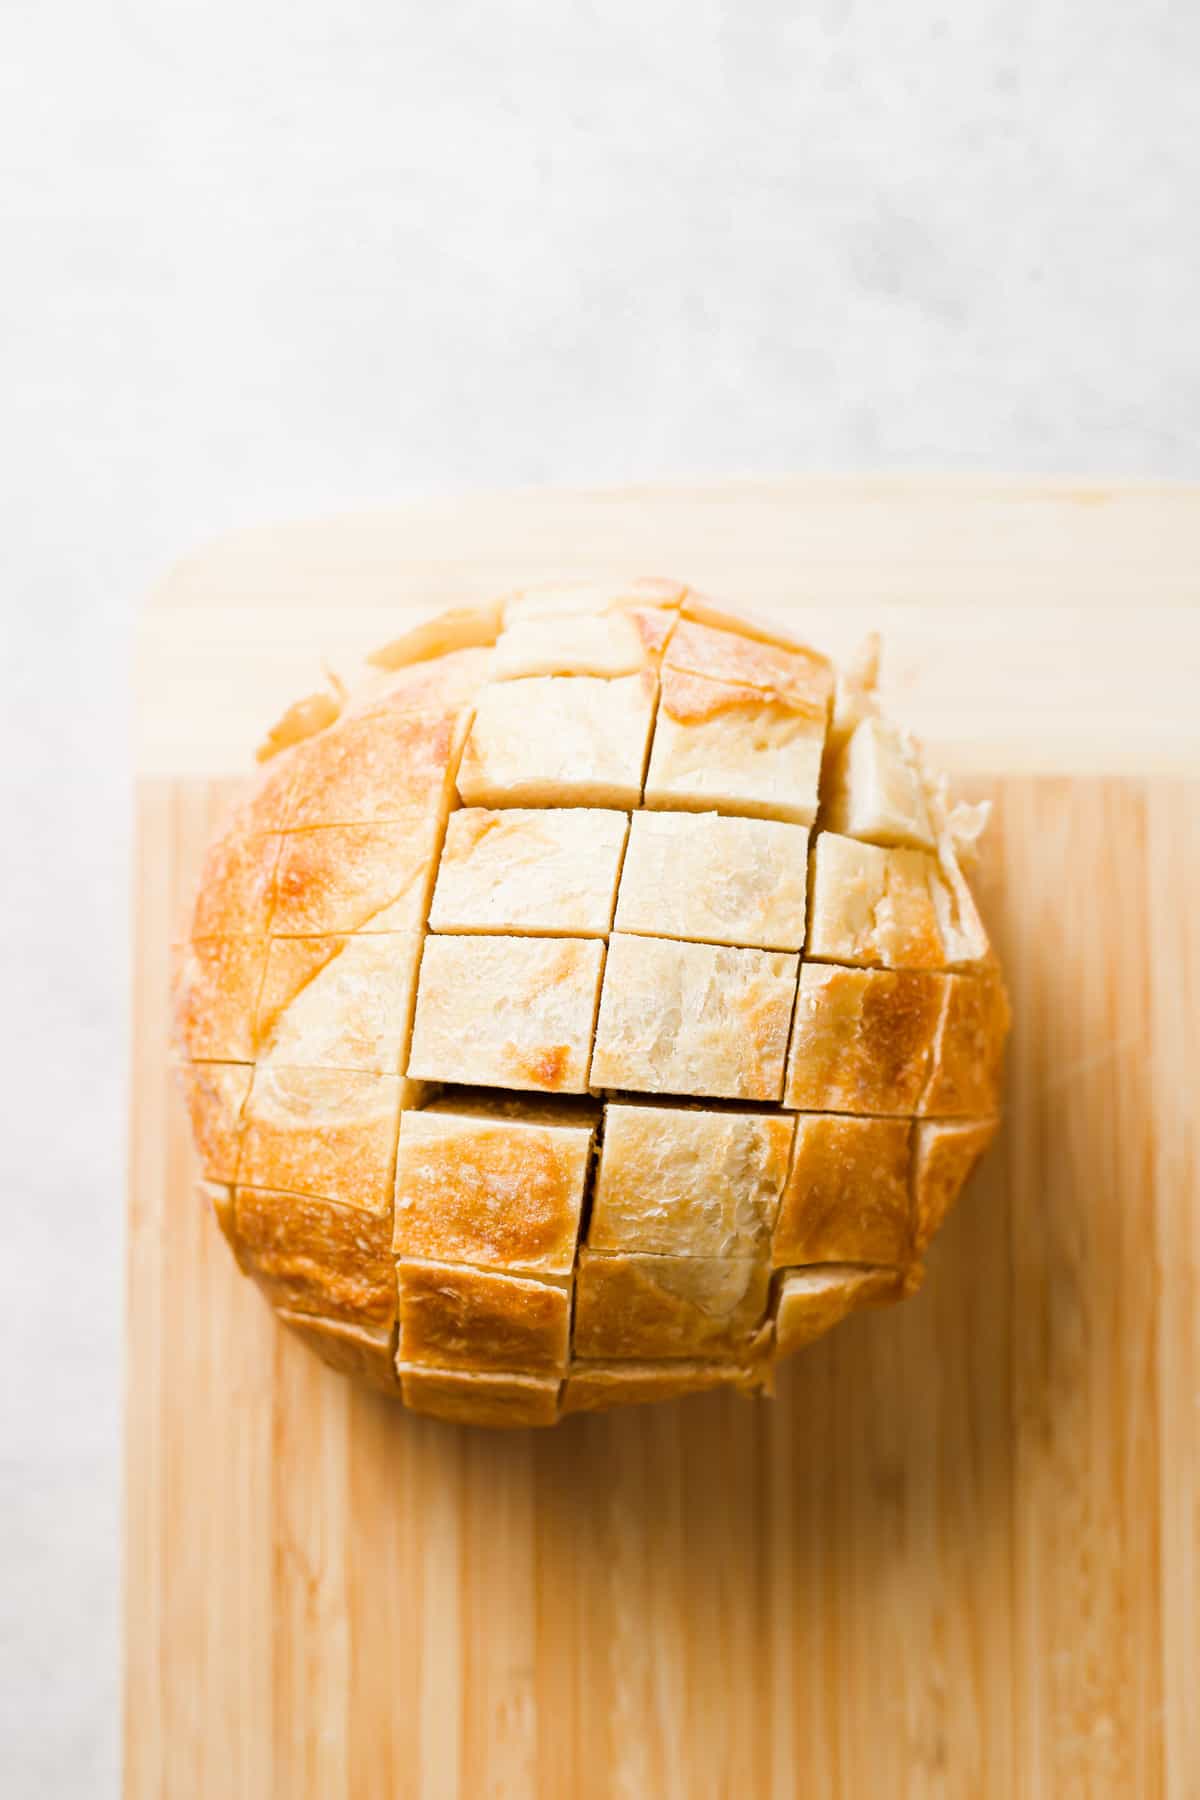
x,y
586,1006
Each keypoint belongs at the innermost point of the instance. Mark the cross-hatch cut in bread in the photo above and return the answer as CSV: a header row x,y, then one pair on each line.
x,y
587,1006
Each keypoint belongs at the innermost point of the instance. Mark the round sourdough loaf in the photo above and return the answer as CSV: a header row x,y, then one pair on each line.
x,y
587,1006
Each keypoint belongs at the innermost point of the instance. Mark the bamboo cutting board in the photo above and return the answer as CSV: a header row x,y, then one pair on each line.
x,y
960,1552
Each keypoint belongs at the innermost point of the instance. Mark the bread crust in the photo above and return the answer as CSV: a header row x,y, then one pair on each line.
x,y
455,1317
947,1151
310,1256
810,1302
350,1349
649,1308
733,748
505,1402
863,1039
343,1002
216,1095
846,1199
559,740
328,1134
598,1387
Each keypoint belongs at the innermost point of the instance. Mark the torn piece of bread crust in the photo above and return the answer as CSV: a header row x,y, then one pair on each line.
x,y
329,1134
863,1039
731,748
647,1308
455,1317
875,788
497,1191
715,879
677,1181
501,1401
947,1151
350,1349
559,740
847,1193
548,870
696,1019
531,1003
812,1301
309,1256
874,906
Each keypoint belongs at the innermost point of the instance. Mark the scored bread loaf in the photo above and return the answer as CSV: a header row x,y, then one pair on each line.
x,y
587,1006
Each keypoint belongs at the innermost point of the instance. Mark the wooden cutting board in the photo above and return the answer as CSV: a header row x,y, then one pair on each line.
x,y
960,1552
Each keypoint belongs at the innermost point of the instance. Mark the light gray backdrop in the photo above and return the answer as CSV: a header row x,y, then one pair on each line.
x,y
280,256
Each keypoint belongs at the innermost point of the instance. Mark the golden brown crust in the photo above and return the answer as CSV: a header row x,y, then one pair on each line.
x,y
689,1183
573,599
339,1002
215,991
801,676
847,1193
512,1012
336,879
810,1302
217,1196
700,1019
862,1039
946,1153
968,1057
438,642
455,1317
549,870
371,769
313,1257
501,1401
713,879
496,1191
559,740
596,1387
216,1094
647,1308
734,749
350,1349
236,891
326,1133
617,642
303,719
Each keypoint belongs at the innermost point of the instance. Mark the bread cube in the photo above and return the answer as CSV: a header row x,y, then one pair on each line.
x,y
652,1307
312,1256
698,1019
862,1039
802,676
846,1198
329,1134
452,1316
339,1002
495,1400
734,748
619,642
510,1012
713,879
876,791
689,1183
342,878
968,1056
946,1153
559,741
595,1387
502,1192
545,870
376,766
812,1301
872,906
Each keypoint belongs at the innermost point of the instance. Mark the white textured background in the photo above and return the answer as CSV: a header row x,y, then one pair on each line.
x,y
274,258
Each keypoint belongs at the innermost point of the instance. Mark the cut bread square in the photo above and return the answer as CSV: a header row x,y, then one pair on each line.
x,y
498,1191
680,1181
216,1093
594,1387
946,1153
812,1301
339,1002
312,1256
801,676
455,1317
969,1053
873,906
350,1349
875,789
376,766
236,891
862,1039
608,644
517,869
734,749
215,985
700,1019
644,1308
846,1198
329,1134
496,1400
559,740
709,878
337,879
513,1012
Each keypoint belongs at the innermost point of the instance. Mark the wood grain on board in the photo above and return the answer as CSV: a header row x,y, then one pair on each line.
x,y
958,1554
